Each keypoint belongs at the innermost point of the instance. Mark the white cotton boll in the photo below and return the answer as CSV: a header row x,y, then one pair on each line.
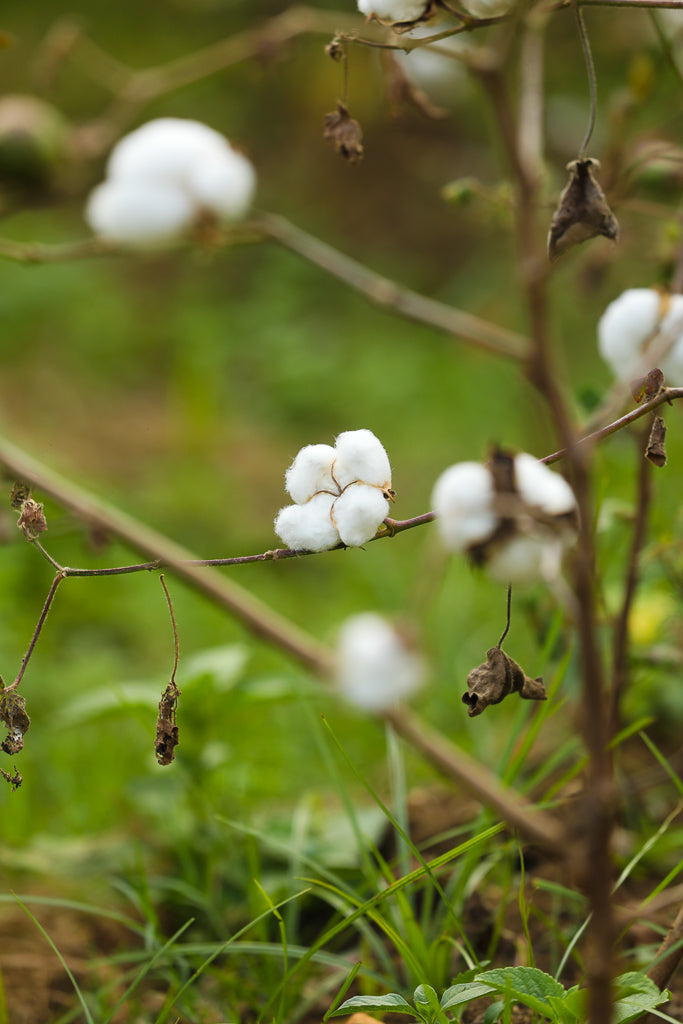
x,y
487,8
541,487
358,513
441,76
310,472
671,364
165,149
393,10
624,328
224,183
308,527
375,670
361,456
463,501
139,213
526,559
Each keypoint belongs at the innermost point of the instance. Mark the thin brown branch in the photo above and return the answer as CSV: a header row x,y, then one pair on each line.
x,y
388,294
620,633
36,633
175,628
36,252
663,970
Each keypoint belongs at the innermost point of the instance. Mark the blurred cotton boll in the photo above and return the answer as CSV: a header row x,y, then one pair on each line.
x,y
308,527
526,559
187,170
139,213
310,472
540,487
630,323
463,501
393,10
375,668
442,76
361,456
358,513
487,8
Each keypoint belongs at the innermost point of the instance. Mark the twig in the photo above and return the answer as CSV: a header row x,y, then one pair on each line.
x,y
175,628
620,634
388,294
36,633
663,970
592,84
507,622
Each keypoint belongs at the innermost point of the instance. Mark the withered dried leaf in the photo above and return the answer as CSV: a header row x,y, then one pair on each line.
x,y
655,451
645,388
336,49
167,731
498,677
345,133
13,715
32,521
14,780
582,212
20,492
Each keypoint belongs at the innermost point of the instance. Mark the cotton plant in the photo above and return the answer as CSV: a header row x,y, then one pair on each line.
x,y
166,177
394,11
487,8
436,68
340,494
376,668
513,515
641,329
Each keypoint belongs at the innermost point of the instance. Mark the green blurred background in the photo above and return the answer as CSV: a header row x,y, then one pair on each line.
x,y
180,385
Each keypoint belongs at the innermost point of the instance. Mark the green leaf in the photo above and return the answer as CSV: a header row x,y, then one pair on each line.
x,y
570,1009
527,985
636,994
464,993
392,1002
493,1013
426,1002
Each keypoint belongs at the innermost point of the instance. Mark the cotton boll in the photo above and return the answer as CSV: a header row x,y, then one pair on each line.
x,y
624,328
310,472
671,364
358,513
463,501
487,8
308,527
361,456
375,670
430,67
393,10
526,559
139,213
165,149
541,487
224,183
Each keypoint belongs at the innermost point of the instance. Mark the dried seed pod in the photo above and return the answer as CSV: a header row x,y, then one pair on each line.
x,y
32,520
20,492
345,133
13,715
582,212
655,451
167,731
498,677
645,388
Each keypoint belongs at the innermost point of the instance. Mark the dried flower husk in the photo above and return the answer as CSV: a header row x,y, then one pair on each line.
x,y
167,731
655,450
13,715
494,680
582,212
345,133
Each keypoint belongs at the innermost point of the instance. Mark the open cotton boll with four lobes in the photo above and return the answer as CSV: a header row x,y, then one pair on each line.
x,y
311,471
182,169
396,11
630,322
308,527
375,668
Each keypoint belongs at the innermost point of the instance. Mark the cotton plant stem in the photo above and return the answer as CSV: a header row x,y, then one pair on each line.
x,y
256,616
595,809
391,296
536,826
36,633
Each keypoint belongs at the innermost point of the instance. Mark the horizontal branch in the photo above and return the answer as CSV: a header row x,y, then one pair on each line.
x,y
389,295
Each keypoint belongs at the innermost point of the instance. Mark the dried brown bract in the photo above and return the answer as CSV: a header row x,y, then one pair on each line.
x,y
645,388
655,451
20,493
345,133
336,49
582,212
14,780
32,520
13,715
500,676
167,731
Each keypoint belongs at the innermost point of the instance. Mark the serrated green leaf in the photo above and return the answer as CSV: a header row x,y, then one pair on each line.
x,y
527,985
392,1002
456,995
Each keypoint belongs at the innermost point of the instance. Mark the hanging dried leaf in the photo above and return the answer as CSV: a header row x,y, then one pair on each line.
x,y
655,450
500,676
167,731
13,715
582,212
345,133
